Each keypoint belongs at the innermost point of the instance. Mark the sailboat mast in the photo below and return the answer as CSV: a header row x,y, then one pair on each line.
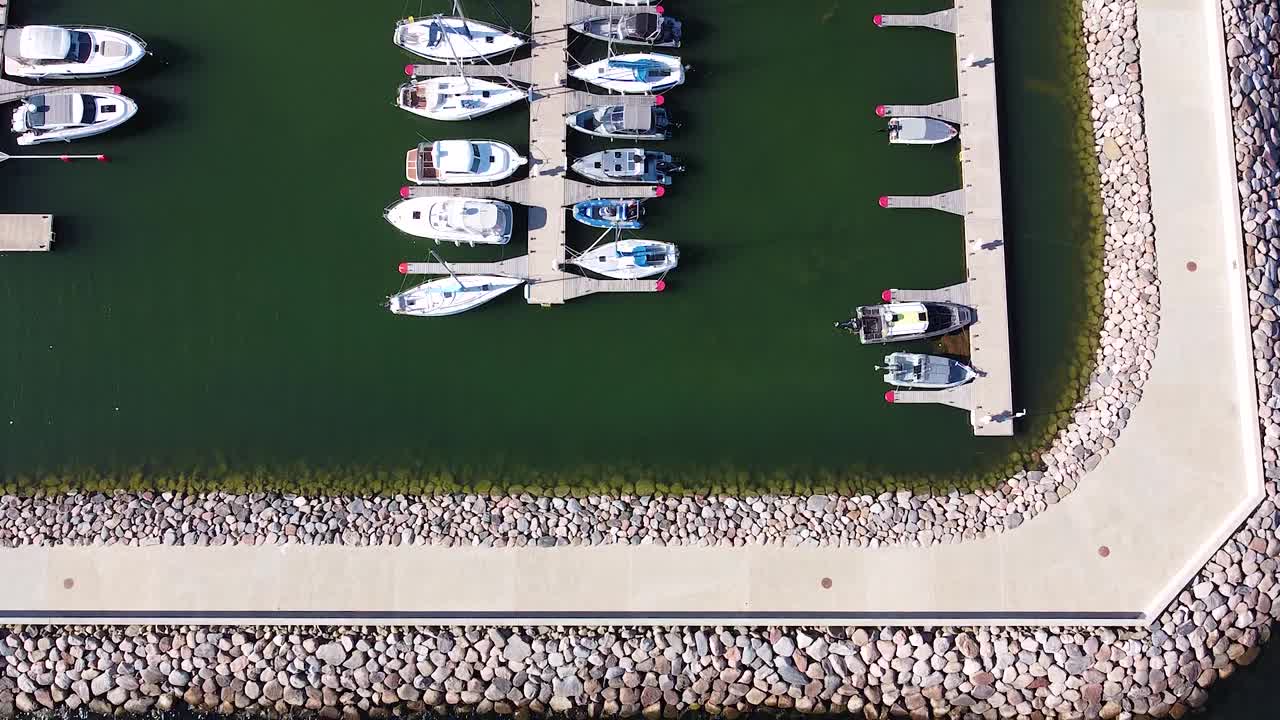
x,y
448,269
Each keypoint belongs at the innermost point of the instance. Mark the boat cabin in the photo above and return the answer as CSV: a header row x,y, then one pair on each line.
x,y
43,44
621,163
67,110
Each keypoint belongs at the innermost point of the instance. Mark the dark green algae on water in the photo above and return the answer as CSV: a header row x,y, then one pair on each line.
x,y
212,313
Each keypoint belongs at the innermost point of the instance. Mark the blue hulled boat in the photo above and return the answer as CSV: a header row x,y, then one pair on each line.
x,y
609,213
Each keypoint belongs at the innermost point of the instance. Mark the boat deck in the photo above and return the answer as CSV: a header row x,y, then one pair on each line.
x,y
26,233
944,20
989,398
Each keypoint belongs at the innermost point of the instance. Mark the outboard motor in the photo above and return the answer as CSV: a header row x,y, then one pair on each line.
x,y
853,325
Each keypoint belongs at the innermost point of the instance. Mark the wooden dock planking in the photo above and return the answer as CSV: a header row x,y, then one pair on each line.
x,y
984,217
990,395
943,20
514,192
26,233
579,11
578,100
946,111
960,398
514,267
958,293
952,202
520,71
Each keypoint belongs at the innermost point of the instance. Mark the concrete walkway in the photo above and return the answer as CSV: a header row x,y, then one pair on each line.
x,y
1183,475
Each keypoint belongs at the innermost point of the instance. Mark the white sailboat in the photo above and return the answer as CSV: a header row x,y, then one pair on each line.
x,y
453,219
38,52
633,73
456,98
69,116
445,39
451,295
457,162
629,259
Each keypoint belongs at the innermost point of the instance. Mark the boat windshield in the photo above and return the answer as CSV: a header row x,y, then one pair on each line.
x,y
81,47
475,158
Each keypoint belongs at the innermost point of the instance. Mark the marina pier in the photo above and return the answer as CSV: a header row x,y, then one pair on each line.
x,y
547,192
989,397
32,232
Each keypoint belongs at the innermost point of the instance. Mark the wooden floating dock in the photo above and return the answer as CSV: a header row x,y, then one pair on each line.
x,y
989,398
944,20
952,202
946,111
26,233
520,192
571,286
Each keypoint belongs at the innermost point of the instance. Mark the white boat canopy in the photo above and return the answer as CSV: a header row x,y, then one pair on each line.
x,y
42,42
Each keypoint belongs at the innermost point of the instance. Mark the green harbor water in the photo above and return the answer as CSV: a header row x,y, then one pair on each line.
x,y
213,305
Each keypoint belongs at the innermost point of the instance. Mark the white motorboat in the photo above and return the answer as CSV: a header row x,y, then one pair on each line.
x,y
40,52
628,165
925,372
454,39
920,131
901,321
644,27
453,219
633,73
456,98
69,116
451,295
457,162
622,121
629,259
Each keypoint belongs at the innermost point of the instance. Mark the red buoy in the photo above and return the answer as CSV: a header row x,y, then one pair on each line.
x,y
404,268
116,89
881,110
64,158
660,286
877,20
887,296
103,158
660,101
659,9
408,69
884,201
889,397
404,192
659,191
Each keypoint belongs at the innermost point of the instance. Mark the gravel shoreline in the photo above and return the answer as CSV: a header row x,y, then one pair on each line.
x,y
1218,622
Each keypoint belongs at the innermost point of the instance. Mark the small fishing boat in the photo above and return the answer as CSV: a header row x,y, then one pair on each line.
x,y
39,52
920,131
69,116
622,121
901,321
629,165
451,295
454,39
645,27
453,219
633,73
925,372
456,162
610,213
629,259
456,98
